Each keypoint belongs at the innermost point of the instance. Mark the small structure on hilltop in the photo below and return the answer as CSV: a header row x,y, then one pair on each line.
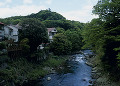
x,y
51,33
1,31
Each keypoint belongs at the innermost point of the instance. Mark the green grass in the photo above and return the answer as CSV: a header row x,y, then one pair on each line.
x,y
52,62
21,70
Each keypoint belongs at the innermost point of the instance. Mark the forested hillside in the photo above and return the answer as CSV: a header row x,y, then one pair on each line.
x,y
46,15
49,19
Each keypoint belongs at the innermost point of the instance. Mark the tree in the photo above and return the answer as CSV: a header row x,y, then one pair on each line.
x,y
109,11
74,36
103,34
25,47
60,45
65,24
93,33
35,31
60,30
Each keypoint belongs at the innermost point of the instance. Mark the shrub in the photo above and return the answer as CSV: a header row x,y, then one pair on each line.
x,y
2,45
52,62
25,46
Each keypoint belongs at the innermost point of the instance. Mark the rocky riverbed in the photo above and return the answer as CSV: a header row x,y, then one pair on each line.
x,y
79,74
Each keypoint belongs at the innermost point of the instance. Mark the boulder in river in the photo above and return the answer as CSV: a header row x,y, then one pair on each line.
x,y
84,79
48,78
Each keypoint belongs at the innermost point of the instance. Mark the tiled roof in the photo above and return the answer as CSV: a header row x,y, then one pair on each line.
x,y
50,29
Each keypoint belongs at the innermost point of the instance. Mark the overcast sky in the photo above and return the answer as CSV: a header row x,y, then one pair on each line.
x,y
78,10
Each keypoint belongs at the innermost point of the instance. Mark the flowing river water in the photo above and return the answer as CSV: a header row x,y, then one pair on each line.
x,y
80,75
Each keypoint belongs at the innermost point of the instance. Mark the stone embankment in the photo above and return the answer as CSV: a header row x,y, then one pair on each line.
x,y
100,78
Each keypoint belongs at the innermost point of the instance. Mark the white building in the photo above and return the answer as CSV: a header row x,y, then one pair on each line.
x,y
11,32
51,33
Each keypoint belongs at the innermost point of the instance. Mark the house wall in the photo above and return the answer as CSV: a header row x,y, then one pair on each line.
x,y
11,32
51,34
1,35
50,37
6,29
1,32
15,38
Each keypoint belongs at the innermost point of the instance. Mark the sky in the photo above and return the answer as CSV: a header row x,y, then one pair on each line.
x,y
77,10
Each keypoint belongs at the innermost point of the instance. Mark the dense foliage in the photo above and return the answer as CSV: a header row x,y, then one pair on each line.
x,y
48,18
65,42
74,36
66,24
103,34
35,31
61,45
42,15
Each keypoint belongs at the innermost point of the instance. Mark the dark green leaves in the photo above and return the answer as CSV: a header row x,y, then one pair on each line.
x,y
35,31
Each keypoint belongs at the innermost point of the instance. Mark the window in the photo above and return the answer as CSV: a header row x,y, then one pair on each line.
x,y
53,34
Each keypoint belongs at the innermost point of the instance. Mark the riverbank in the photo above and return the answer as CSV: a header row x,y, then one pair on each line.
x,y
21,71
100,77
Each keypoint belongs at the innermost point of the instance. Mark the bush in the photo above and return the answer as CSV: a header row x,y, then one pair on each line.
x,y
3,58
61,45
52,62
25,47
2,45
36,73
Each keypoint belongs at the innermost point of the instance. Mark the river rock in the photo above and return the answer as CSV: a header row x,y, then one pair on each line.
x,y
94,71
89,64
68,66
90,81
95,76
94,68
48,78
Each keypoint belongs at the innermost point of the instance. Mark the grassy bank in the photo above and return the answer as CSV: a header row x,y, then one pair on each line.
x,y
21,70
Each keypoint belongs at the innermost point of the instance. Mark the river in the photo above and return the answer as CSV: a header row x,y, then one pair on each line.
x,y
80,75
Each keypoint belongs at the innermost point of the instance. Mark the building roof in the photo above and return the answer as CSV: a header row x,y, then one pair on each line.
x,y
50,29
1,23
14,27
